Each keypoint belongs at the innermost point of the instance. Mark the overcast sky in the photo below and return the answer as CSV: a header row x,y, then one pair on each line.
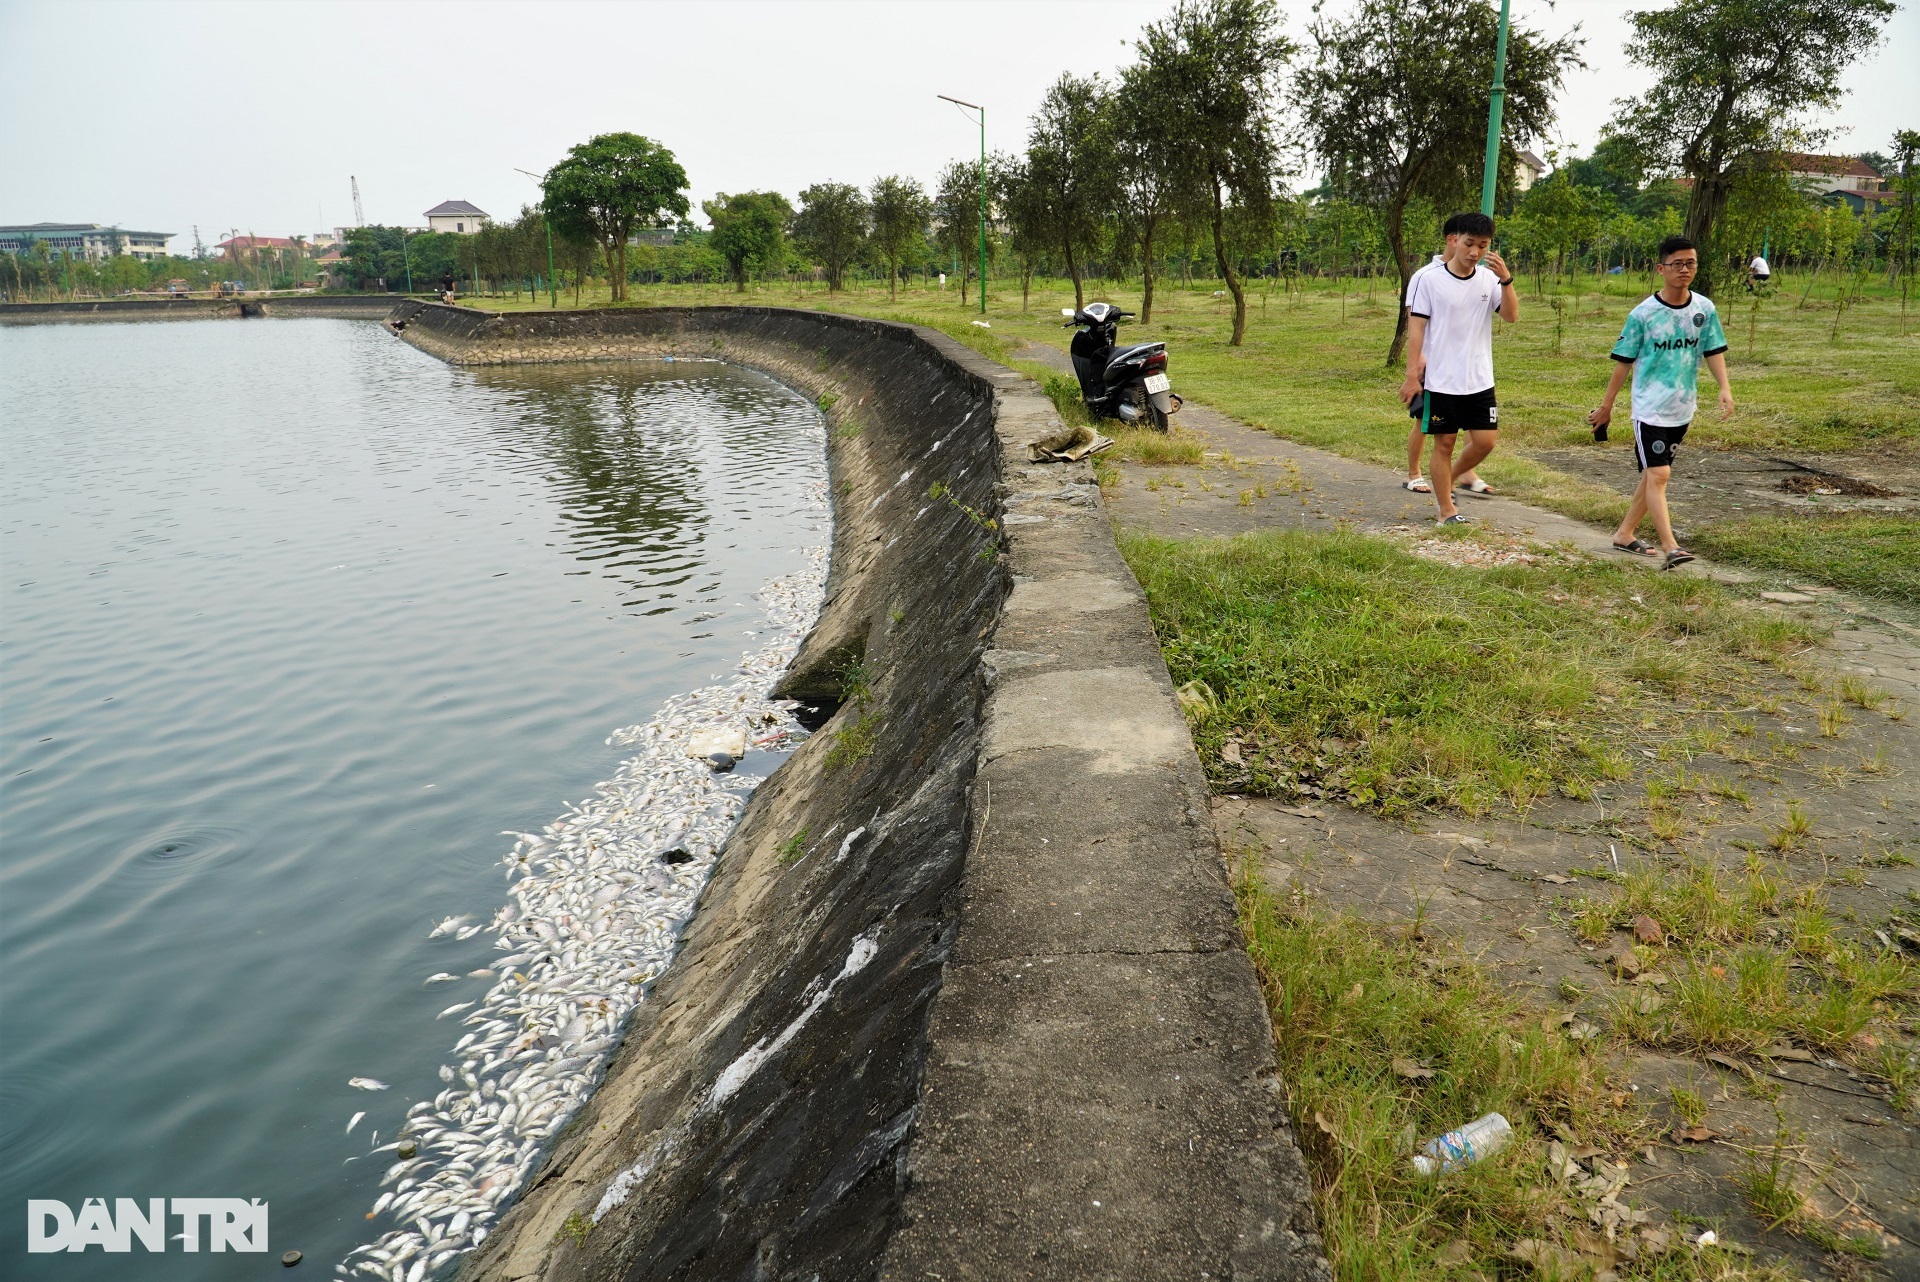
x,y
252,116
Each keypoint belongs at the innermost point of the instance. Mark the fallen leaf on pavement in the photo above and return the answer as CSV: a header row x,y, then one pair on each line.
x,y
1410,1070
1696,1134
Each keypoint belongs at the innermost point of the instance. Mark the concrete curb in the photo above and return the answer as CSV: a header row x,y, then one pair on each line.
x,y
1101,1098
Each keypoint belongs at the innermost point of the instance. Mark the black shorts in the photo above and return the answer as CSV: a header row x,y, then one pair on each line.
x,y
1655,446
1472,412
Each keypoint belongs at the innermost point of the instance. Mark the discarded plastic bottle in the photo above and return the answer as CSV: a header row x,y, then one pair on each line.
x,y
1460,1148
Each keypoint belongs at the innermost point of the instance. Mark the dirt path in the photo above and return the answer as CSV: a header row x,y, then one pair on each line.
x,y
1505,893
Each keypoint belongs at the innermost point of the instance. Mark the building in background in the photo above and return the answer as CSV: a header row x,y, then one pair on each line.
x,y
85,240
1527,170
240,247
1839,177
456,216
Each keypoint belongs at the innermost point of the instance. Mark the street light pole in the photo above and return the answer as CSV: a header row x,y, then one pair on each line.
x,y
406,258
983,192
1491,173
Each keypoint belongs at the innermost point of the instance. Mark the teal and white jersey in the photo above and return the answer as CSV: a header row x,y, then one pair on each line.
x,y
1665,345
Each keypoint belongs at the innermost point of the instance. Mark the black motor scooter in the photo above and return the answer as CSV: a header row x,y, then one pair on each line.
x,y
1127,383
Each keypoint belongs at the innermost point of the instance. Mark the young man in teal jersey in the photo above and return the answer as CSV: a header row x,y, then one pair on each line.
x,y
1663,342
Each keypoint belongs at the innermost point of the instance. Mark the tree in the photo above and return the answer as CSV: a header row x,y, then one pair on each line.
x,y
1148,171
609,186
1071,168
1738,82
832,225
1213,68
1024,206
1906,181
956,210
1615,167
900,213
749,231
1395,104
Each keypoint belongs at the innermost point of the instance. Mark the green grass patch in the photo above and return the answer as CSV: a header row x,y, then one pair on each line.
x,y
1748,966
1867,552
1381,1052
1335,664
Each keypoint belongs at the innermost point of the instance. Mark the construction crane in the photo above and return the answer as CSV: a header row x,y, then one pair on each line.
x,y
359,219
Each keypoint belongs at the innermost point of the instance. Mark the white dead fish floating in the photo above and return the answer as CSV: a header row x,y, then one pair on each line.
x,y
448,926
599,898
366,1084
355,1121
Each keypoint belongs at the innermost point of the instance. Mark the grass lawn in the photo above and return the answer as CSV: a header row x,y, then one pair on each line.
x,y
1337,664
1870,553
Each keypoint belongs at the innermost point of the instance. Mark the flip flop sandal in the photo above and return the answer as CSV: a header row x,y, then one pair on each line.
x,y
1461,518
1417,484
1639,547
1679,556
1478,489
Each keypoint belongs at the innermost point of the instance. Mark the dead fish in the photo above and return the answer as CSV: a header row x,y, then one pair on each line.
x,y
355,1122
443,977
454,1009
448,925
366,1084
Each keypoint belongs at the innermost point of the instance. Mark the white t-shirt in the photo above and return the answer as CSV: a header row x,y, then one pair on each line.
x,y
1459,315
1758,266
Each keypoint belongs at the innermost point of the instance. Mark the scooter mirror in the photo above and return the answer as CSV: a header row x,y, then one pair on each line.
x,y
1067,312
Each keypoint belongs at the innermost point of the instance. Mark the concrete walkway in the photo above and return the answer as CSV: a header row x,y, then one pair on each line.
x,y
1101,1097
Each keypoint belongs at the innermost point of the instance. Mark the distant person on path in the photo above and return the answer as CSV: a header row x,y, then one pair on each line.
x,y
1757,274
1450,307
1663,342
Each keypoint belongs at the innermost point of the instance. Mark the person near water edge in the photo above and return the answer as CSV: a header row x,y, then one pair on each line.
x,y
1663,343
1450,309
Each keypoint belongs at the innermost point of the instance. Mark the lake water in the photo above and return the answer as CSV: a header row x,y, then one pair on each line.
x,y
295,622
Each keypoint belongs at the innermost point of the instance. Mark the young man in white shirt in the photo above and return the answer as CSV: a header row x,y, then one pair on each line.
x,y
1451,305
1468,482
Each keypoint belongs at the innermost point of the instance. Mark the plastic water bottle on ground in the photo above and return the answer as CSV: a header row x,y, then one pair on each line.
x,y
1462,1147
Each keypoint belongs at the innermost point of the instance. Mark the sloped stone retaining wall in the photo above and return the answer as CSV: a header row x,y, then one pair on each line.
x,y
965,997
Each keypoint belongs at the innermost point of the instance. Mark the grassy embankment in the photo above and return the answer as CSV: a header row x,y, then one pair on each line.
x,y
1313,370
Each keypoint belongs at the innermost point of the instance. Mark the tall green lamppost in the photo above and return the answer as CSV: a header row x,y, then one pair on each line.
x,y
983,192
553,287
406,257
1489,176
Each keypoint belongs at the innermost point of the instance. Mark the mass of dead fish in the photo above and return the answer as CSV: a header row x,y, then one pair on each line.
x,y
596,908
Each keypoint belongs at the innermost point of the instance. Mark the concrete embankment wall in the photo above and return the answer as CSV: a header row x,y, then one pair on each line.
x,y
349,306
965,997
